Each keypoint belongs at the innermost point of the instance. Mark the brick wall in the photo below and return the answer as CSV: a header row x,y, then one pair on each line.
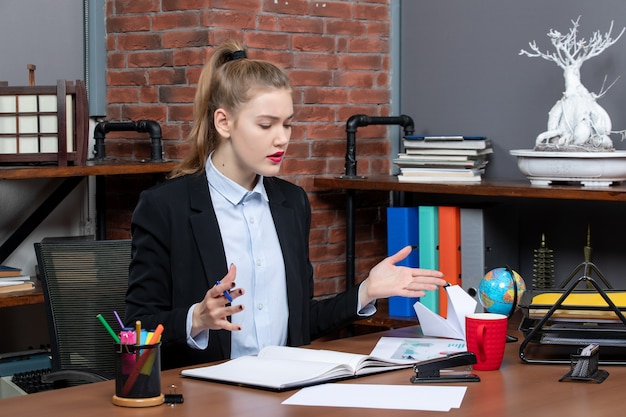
x,y
337,54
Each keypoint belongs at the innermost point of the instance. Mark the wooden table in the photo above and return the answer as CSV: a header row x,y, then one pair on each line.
x,y
517,389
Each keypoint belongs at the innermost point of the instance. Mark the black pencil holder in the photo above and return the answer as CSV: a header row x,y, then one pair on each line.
x,y
585,368
138,375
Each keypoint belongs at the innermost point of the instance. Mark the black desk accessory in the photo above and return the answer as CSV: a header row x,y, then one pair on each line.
x,y
442,369
584,366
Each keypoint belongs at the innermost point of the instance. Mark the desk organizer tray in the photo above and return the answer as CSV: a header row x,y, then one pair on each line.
x,y
557,322
581,305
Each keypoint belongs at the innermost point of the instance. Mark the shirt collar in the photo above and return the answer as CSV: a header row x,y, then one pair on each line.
x,y
229,189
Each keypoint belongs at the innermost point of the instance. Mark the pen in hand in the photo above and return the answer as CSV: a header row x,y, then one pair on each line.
x,y
226,293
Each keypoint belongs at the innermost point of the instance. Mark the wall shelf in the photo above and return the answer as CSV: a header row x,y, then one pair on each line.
x,y
487,188
73,175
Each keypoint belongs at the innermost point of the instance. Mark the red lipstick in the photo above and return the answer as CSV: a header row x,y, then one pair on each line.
x,y
276,157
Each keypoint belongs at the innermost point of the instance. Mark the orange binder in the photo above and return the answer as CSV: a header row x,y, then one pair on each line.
x,y
449,250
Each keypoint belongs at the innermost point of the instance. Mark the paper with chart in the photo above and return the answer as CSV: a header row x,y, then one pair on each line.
x,y
460,304
416,349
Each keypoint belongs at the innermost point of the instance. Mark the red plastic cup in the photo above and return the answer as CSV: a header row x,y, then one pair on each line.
x,y
486,338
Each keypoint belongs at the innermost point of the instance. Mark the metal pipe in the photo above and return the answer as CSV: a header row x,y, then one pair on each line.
x,y
143,126
357,120
353,123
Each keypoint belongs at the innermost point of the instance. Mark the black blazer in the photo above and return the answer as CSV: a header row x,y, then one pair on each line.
x,y
177,255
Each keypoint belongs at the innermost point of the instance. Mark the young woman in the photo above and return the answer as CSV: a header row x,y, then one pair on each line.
x,y
225,217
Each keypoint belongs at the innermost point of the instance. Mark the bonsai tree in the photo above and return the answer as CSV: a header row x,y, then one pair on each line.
x,y
576,122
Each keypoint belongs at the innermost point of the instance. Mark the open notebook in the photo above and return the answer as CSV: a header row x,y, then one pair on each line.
x,y
282,368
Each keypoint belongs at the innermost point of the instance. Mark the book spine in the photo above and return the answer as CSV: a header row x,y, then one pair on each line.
x,y
402,230
428,256
449,250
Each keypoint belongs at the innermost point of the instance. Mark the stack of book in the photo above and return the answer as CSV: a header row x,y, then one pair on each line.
x,y
12,280
443,158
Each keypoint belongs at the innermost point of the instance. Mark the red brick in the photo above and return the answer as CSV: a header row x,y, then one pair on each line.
x,y
373,96
369,45
313,43
116,60
186,57
371,62
354,79
139,41
325,95
122,24
267,40
310,78
183,113
123,94
185,39
346,27
173,5
295,7
141,112
150,59
321,61
299,24
371,12
176,94
239,20
241,5
126,78
342,9
167,76
135,6
267,22
148,94
167,21
326,131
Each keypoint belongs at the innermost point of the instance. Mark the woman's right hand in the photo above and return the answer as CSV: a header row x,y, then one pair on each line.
x,y
212,312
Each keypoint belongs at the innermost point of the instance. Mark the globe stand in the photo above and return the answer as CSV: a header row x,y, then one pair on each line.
x,y
509,338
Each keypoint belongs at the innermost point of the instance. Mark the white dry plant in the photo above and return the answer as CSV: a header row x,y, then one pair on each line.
x,y
576,123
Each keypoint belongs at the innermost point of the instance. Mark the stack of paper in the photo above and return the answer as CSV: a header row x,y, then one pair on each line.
x,y
16,283
443,158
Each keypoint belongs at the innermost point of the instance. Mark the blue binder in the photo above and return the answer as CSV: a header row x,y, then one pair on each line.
x,y
403,230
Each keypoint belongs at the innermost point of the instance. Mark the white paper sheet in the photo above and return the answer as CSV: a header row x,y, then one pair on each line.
x,y
397,397
416,349
460,304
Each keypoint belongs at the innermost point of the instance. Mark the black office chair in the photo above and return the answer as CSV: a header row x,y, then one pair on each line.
x,y
82,278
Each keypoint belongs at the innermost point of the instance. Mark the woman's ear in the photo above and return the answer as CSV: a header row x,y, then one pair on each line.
x,y
221,120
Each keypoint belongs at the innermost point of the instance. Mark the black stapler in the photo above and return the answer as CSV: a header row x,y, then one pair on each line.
x,y
442,369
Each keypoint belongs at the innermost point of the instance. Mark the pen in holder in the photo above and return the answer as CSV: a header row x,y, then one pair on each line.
x,y
138,375
584,366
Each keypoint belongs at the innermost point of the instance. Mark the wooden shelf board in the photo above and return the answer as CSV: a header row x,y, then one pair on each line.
x,y
18,298
106,167
486,188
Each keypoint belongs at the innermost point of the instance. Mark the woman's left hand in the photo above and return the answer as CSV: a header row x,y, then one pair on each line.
x,y
386,279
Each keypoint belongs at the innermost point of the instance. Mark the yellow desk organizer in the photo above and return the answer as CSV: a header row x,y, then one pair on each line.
x,y
558,322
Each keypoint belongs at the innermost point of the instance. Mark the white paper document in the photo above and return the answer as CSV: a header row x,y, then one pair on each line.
x,y
460,304
416,349
396,397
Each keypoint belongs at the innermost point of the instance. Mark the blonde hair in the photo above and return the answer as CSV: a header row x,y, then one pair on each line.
x,y
227,81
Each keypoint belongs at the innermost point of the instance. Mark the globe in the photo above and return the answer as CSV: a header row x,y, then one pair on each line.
x,y
496,292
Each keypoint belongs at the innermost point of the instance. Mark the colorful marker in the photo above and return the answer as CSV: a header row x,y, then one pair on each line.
x,y
119,320
108,328
138,332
